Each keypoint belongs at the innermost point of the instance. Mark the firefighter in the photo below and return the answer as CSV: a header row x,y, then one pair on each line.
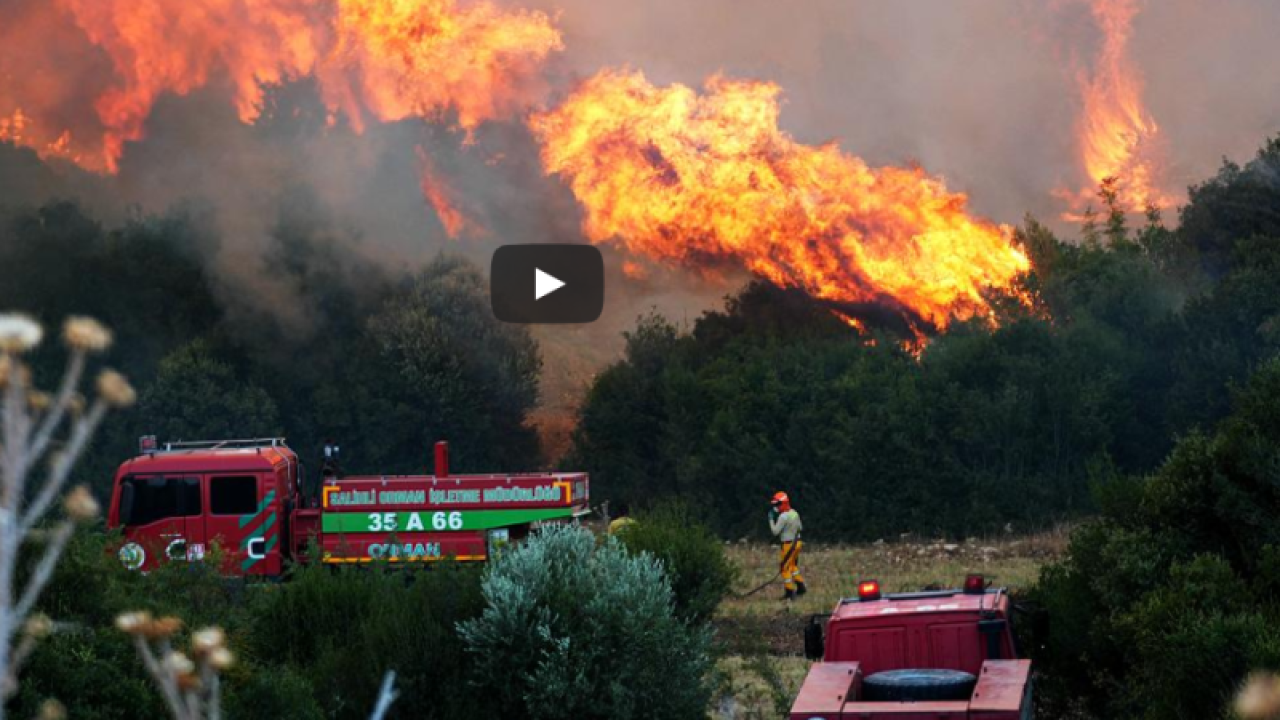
x,y
623,521
784,521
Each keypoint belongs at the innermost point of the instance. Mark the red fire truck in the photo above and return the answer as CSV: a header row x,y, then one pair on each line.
x,y
935,655
175,501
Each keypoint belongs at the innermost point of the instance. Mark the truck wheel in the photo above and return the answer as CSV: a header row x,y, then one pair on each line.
x,y
913,685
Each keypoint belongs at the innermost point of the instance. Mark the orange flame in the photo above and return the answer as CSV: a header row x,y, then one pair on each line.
x,y
1118,137
634,270
442,198
686,178
386,59
18,129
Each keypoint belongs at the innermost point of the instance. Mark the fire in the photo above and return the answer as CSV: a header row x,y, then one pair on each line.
x,y
853,322
17,129
381,59
442,198
692,178
1118,136
403,58
634,270
12,127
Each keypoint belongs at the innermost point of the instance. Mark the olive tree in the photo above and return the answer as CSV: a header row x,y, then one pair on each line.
x,y
573,628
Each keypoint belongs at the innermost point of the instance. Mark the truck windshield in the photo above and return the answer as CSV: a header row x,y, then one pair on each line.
x,y
159,498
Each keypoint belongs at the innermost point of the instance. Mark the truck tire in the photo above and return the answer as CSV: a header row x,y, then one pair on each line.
x,y
915,685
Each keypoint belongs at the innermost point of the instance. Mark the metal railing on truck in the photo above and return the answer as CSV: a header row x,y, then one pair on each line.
x,y
245,444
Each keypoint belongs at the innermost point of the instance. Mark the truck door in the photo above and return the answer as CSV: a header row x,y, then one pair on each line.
x,y
159,514
242,519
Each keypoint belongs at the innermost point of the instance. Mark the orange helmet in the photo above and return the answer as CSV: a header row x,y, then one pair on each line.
x,y
781,500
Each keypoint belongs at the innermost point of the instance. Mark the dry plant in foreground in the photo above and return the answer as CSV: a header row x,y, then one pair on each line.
x,y
36,425
189,683
1259,699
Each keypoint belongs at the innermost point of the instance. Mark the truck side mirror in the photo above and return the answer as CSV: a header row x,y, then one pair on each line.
x,y
126,503
814,642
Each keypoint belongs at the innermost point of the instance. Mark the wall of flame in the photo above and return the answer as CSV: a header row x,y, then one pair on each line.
x,y
707,177
697,178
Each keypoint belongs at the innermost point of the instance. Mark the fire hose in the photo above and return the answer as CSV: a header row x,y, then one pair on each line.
x,y
795,545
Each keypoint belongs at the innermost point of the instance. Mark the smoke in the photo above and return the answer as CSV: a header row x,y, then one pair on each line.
x,y
984,93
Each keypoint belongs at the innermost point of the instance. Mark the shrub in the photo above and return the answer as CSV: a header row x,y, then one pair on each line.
x,y
273,693
576,629
316,646
342,629
692,556
91,667
93,672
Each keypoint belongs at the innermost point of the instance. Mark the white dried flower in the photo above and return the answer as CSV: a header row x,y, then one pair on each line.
x,y
134,622
52,710
19,333
178,664
87,334
221,659
80,505
207,640
38,626
115,389
1259,699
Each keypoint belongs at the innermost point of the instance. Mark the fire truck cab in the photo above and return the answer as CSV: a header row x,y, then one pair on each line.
x,y
934,655
174,503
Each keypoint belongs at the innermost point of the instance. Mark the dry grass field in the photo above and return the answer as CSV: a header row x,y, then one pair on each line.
x,y
762,636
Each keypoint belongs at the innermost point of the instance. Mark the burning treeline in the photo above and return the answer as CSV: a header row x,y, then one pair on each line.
x,y
693,179
382,59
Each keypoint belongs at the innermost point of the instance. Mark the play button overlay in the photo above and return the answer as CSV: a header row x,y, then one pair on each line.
x,y
551,284
544,284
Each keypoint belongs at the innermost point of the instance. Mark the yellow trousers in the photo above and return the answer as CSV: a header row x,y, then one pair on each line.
x,y
791,564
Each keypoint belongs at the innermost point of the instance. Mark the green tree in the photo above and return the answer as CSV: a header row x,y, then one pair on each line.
x,y
693,558
576,629
1162,606
196,396
987,427
146,280
1238,203
434,364
341,630
623,416
1117,230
